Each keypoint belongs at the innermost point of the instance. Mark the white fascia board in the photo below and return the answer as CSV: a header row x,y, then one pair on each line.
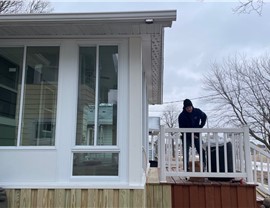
x,y
136,16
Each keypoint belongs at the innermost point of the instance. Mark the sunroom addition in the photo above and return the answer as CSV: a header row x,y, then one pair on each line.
x,y
74,95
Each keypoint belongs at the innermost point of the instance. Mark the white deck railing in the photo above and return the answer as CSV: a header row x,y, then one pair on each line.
x,y
261,168
232,160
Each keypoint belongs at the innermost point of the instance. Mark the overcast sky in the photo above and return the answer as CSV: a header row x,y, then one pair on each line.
x,y
203,32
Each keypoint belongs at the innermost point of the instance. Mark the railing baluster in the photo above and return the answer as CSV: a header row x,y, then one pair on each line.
x,y
225,152
185,152
255,166
209,153
261,160
217,152
241,153
176,152
170,151
159,149
233,152
192,152
201,153
237,152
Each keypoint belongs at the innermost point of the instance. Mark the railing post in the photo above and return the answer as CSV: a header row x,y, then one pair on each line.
x,y
159,149
247,154
162,155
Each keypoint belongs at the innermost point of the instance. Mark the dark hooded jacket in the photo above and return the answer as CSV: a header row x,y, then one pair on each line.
x,y
195,119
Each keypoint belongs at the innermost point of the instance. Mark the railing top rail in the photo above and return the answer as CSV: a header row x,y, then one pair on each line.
x,y
204,130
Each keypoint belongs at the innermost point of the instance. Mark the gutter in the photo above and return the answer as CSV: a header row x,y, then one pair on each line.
x,y
135,16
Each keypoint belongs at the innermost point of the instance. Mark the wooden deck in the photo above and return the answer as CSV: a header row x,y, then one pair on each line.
x,y
201,192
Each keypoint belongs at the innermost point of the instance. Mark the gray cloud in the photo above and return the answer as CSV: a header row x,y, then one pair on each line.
x,y
203,33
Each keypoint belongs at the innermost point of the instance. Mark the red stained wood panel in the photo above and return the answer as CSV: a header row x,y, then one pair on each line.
x,y
210,196
213,195
201,196
225,197
194,196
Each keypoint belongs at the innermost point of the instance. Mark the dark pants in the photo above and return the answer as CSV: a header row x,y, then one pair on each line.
x,y
197,146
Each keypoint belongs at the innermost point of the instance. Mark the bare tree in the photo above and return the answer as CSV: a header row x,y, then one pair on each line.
x,y
249,6
24,6
241,90
169,118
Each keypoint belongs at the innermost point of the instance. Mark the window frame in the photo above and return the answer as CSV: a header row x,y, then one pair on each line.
x,y
122,103
24,43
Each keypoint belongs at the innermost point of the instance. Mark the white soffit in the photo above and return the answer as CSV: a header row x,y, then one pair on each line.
x,y
86,25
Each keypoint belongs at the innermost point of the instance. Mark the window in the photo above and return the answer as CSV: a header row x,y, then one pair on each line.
x,y
101,164
40,91
97,112
11,60
28,107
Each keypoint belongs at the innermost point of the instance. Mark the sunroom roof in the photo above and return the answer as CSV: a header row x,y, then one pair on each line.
x,y
148,24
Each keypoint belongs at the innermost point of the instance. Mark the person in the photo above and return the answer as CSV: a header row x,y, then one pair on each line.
x,y
191,117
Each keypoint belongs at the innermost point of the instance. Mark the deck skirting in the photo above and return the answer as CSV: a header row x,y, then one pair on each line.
x,y
180,194
214,195
51,198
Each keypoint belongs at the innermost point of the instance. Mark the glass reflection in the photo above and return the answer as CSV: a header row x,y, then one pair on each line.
x,y
11,60
98,164
40,96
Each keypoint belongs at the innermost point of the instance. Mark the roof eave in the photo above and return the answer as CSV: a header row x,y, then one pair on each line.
x,y
135,16
42,24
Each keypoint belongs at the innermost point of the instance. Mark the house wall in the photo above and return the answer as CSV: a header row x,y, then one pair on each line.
x,y
51,166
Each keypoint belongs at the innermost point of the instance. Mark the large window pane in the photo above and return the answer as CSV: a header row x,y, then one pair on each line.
x,y
106,122
11,60
86,96
40,96
98,164
107,113
97,111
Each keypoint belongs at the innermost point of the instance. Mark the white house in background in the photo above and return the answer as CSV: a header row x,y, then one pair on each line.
x,y
74,95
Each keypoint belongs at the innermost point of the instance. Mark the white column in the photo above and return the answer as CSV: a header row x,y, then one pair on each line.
x,y
135,112
66,107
